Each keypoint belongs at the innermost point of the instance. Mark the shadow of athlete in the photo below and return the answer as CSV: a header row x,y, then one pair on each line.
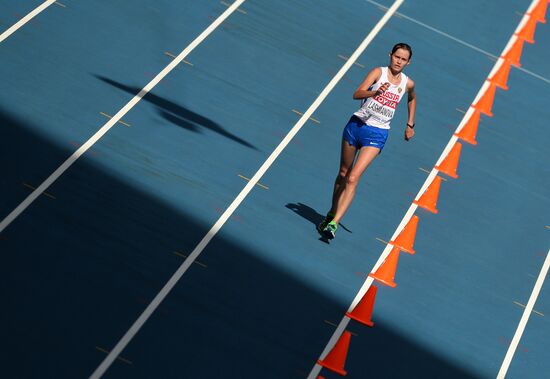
x,y
177,114
367,130
309,214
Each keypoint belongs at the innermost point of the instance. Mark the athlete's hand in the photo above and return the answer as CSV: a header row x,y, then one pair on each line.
x,y
409,133
383,88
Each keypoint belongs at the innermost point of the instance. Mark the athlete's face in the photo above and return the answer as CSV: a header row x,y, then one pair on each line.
x,y
399,60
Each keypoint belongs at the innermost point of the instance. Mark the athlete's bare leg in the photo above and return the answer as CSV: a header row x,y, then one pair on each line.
x,y
365,158
347,157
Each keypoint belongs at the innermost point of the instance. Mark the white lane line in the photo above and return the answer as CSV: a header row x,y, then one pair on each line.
x,y
104,366
25,19
533,74
345,320
524,318
136,326
436,30
458,40
408,215
116,118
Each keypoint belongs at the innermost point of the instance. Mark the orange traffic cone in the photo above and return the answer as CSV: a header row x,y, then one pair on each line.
x,y
539,12
386,272
363,311
450,163
501,76
428,200
514,52
405,239
336,358
469,130
527,32
485,103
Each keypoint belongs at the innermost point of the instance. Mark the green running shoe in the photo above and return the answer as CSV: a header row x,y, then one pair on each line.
x,y
330,230
323,224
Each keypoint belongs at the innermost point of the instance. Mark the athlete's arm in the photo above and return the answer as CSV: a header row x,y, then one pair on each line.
x,y
363,92
411,106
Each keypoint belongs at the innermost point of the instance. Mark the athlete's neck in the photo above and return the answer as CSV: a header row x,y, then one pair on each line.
x,y
393,73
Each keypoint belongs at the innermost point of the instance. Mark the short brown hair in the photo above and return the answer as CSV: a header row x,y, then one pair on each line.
x,y
403,46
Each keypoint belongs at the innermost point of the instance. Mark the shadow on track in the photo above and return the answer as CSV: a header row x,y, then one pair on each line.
x,y
178,114
310,214
77,271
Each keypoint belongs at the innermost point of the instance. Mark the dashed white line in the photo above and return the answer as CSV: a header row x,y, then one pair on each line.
x,y
25,19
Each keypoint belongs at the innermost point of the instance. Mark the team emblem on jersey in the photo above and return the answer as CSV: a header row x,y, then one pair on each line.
x,y
399,90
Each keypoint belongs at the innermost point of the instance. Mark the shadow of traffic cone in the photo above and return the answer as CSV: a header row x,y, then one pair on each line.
x,y
527,32
336,358
428,200
539,12
501,76
450,163
363,311
386,272
485,103
405,239
469,130
514,52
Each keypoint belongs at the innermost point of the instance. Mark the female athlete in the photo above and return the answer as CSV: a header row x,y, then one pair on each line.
x,y
367,130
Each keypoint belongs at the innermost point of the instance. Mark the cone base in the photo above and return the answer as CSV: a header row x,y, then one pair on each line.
x,y
499,85
470,141
383,281
368,323
433,210
486,112
337,370
452,175
404,249
531,41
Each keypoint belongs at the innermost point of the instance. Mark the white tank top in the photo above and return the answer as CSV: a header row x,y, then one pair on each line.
x,y
379,110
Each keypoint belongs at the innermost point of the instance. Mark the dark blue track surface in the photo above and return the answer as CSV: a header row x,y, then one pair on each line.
x,y
85,259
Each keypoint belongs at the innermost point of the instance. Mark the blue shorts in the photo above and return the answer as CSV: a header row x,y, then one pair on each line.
x,y
359,134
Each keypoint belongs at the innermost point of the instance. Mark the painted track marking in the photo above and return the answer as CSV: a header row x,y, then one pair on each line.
x,y
180,254
523,305
412,208
25,19
458,40
346,58
122,359
109,116
33,188
116,118
311,118
137,325
248,179
524,318
121,344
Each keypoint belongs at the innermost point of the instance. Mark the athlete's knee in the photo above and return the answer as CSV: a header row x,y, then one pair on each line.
x,y
342,174
352,179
